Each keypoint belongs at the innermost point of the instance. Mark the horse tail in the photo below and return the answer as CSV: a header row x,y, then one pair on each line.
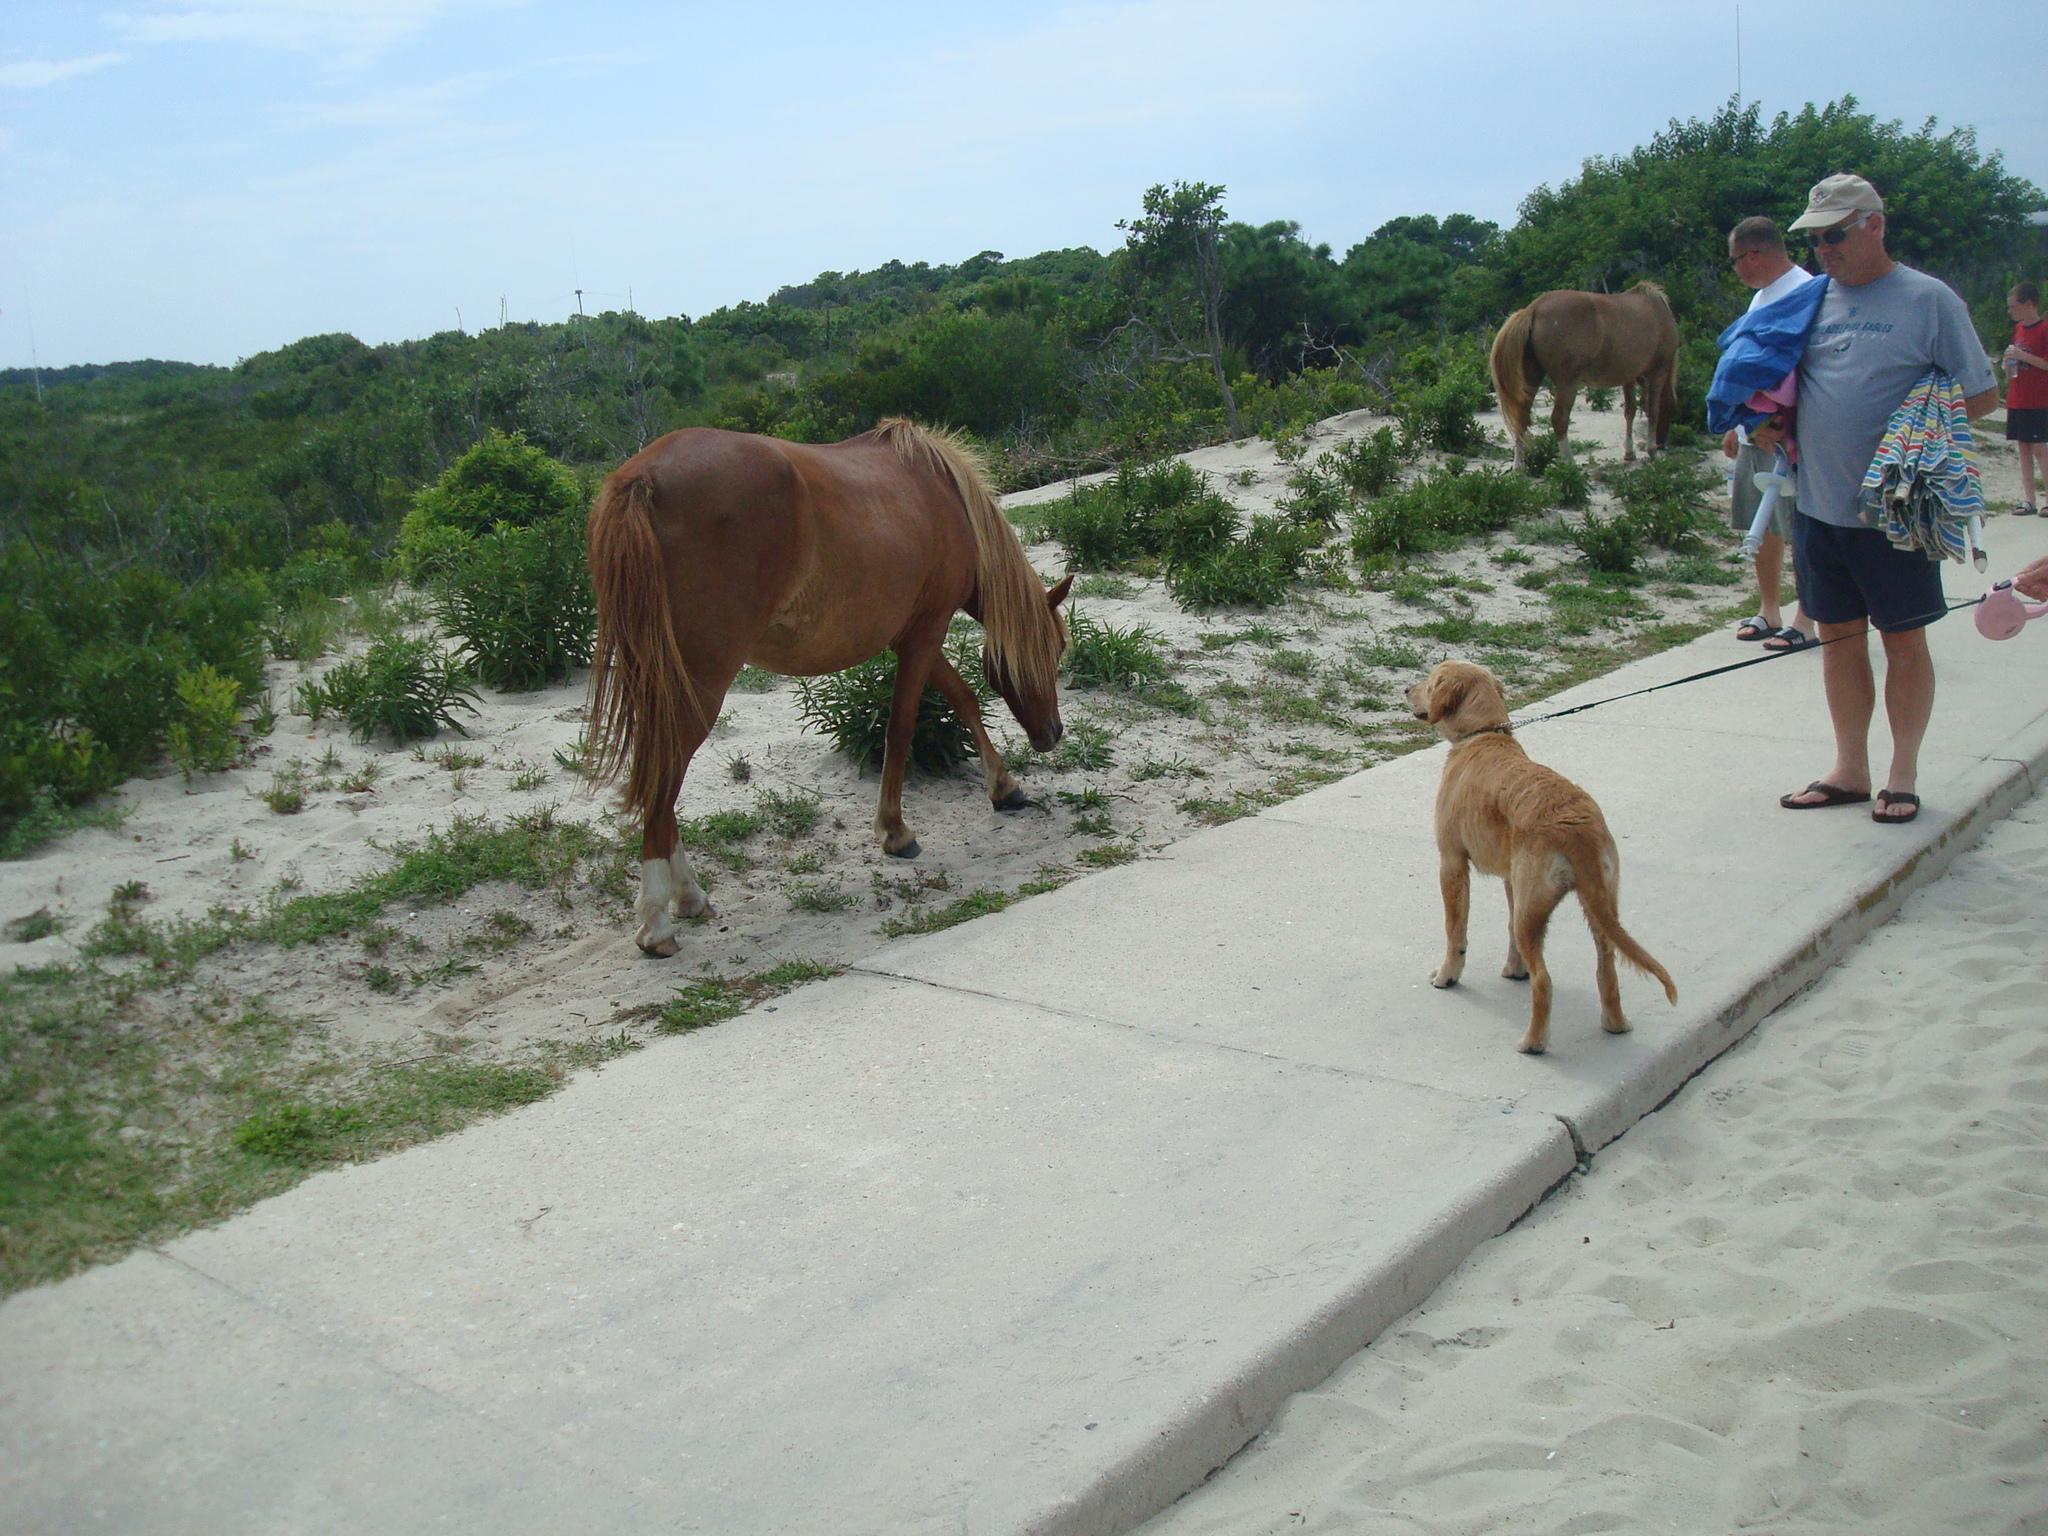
x,y
1023,640
1516,372
643,706
1594,870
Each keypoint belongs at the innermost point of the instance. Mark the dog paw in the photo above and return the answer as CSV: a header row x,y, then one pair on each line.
x,y
1439,980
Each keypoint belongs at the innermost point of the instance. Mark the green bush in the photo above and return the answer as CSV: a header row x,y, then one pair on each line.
x,y
403,689
202,738
1252,572
1607,544
1367,466
503,481
1136,514
1315,494
852,708
1104,656
1540,450
1438,397
1567,483
520,601
1451,504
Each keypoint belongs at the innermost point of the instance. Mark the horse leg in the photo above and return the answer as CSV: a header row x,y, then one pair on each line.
x,y
915,654
668,886
1004,792
1628,421
1561,397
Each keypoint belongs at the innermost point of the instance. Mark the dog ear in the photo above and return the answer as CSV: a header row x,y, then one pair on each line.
x,y
1446,696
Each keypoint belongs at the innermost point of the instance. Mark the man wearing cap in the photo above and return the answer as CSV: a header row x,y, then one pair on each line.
x,y
1880,327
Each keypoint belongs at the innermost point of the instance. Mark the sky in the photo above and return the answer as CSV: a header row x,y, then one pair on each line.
x,y
203,180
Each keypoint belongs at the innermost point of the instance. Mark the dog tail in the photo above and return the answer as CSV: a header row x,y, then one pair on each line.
x,y
1596,870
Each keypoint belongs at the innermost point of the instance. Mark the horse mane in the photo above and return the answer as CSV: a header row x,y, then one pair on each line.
x,y
1023,634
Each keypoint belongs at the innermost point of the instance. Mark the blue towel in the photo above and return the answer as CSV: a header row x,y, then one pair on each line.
x,y
1758,349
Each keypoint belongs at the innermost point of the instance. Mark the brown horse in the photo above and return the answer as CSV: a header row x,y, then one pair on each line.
x,y
1573,338
710,550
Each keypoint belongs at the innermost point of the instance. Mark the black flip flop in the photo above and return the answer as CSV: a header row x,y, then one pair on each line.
x,y
1831,794
1887,797
1763,630
1778,641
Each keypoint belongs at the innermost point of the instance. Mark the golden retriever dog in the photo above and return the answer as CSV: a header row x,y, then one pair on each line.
x,y
1536,829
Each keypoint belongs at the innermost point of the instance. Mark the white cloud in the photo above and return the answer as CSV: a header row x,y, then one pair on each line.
x,y
418,106
34,74
351,31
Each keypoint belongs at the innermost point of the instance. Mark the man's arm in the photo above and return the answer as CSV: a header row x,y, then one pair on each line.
x,y
1979,405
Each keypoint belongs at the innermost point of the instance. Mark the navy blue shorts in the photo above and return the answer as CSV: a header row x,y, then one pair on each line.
x,y
1846,574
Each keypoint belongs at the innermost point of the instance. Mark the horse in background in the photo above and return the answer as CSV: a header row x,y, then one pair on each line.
x,y
711,550
1600,339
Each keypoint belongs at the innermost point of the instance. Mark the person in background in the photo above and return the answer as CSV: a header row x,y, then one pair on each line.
x,y
1881,327
1756,250
2026,392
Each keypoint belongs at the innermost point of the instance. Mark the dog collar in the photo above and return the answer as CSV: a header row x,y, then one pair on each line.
x,y
1506,728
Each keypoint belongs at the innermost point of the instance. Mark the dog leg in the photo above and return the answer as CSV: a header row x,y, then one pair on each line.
x,y
1535,898
1513,968
1454,875
1611,1017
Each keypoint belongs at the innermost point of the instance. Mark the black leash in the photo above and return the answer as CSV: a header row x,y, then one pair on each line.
x,y
1733,666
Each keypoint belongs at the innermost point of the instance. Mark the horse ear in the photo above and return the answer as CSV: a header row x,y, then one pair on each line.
x,y
1057,592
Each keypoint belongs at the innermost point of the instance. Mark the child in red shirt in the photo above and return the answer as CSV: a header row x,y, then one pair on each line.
x,y
2026,393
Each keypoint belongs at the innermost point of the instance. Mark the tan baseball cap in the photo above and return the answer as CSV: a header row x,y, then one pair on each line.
x,y
1834,198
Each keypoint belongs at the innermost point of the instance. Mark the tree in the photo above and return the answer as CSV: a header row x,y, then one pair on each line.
x,y
1173,253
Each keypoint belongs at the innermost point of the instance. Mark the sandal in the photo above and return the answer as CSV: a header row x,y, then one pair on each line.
x,y
1888,797
1830,794
2024,509
1789,639
1753,629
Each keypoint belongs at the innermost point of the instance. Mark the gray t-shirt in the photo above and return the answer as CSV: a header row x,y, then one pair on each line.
x,y
1868,347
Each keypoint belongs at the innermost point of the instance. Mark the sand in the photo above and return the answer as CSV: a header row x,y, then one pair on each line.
x,y
1809,1294
1293,696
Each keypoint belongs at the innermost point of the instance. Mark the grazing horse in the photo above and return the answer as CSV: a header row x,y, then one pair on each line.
x,y
710,550
1573,338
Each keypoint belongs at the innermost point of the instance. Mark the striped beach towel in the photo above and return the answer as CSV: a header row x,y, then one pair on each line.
x,y
1923,489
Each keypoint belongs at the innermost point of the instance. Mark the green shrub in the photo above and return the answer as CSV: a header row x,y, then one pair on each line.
x,y
1196,530
852,708
1104,656
202,738
1093,530
503,481
1607,544
403,689
1367,466
520,602
1438,396
1315,495
1254,571
1451,504
1540,450
1134,514
1568,483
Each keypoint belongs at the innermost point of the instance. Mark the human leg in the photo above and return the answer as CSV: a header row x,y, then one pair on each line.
x,y
1908,705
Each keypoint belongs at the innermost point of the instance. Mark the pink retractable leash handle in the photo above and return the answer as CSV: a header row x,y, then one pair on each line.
x,y
2004,613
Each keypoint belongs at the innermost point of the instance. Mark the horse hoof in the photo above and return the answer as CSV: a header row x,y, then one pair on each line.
x,y
909,850
1015,800
662,949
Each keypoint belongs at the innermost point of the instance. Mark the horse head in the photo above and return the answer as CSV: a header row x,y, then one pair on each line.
x,y
1031,686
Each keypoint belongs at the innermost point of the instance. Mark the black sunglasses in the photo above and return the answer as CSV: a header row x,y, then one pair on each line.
x,y
1831,236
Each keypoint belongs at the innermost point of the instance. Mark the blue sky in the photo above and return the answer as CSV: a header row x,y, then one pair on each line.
x,y
207,179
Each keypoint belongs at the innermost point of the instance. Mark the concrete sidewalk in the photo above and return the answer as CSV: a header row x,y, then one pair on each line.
x,y
1024,1226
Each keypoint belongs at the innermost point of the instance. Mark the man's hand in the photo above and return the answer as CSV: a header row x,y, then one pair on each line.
x,y
2033,579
